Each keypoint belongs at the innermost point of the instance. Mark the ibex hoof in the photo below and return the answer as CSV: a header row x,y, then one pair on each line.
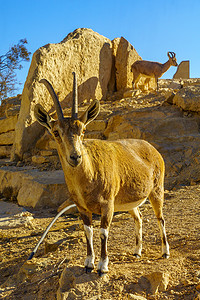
x,y
88,270
136,255
165,255
101,274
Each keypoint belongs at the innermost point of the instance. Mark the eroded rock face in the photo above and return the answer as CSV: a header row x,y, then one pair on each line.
x,y
126,55
175,135
183,70
33,188
84,51
188,98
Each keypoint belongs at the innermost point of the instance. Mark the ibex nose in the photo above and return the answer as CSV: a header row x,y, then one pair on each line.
x,y
75,159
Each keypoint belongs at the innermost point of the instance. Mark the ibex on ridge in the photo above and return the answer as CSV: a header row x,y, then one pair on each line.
x,y
151,69
105,176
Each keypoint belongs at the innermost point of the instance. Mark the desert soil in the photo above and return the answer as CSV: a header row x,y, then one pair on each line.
x,y
41,281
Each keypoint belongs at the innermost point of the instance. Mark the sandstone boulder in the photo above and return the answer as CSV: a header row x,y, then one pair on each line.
x,y
12,215
183,70
5,151
188,98
158,281
126,55
7,138
175,135
10,104
84,51
33,188
7,124
74,283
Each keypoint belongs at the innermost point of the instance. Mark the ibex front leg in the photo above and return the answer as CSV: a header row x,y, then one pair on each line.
x,y
106,218
89,262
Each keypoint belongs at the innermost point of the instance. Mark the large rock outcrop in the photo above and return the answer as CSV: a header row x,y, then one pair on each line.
x,y
83,51
125,55
102,67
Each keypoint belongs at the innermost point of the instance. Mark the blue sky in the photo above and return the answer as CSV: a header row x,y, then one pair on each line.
x,y
153,27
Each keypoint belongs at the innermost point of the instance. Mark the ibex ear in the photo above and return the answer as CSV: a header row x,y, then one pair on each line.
x,y
91,113
42,116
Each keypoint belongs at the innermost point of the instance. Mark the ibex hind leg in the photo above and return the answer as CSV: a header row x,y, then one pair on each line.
x,y
136,214
156,198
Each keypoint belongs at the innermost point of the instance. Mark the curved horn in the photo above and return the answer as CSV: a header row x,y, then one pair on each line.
x,y
75,99
54,97
174,54
171,54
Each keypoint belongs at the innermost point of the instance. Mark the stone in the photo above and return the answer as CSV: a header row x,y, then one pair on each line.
x,y
169,97
7,124
13,216
74,283
158,281
96,125
49,247
25,273
46,142
84,51
67,280
48,152
136,297
7,138
33,188
188,98
183,70
39,159
12,111
126,55
119,127
8,103
129,93
5,151
176,85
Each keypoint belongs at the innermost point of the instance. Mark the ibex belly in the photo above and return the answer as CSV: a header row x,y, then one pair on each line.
x,y
128,206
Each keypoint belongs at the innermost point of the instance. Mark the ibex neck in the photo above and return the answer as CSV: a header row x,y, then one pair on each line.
x,y
166,66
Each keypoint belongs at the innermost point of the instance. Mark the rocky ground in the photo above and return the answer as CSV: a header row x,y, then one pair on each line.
x,y
56,271
64,249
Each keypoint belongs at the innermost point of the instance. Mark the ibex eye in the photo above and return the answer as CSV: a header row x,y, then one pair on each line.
x,y
56,133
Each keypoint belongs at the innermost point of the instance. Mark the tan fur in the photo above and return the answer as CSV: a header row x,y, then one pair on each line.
x,y
121,171
107,176
151,69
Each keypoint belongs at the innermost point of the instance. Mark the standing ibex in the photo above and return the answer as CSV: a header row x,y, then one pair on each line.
x,y
151,69
105,176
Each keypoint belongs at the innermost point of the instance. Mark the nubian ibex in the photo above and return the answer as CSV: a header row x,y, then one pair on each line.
x,y
151,69
104,177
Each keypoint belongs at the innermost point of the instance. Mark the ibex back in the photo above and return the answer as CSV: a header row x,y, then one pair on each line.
x,y
105,176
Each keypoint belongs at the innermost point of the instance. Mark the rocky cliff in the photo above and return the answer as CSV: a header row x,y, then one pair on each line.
x,y
102,67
